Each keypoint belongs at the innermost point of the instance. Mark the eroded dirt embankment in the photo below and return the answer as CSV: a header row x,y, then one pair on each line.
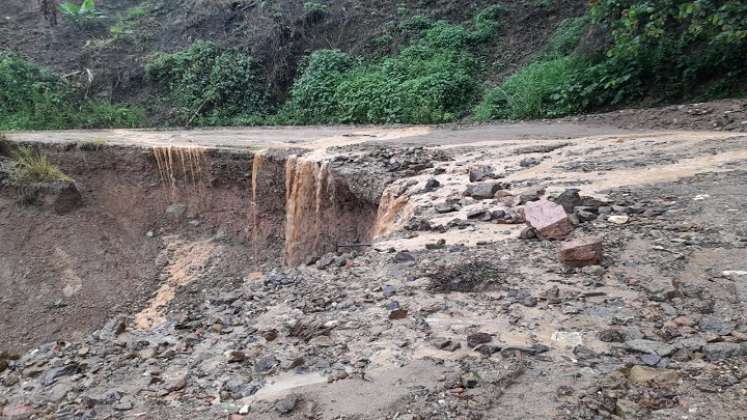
x,y
153,219
474,300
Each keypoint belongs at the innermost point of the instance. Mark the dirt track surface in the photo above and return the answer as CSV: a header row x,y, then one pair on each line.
x,y
451,308
315,137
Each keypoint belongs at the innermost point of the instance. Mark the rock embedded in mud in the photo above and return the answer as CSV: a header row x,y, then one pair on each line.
x,y
487,350
533,194
528,233
722,350
549,219
176,211
643,375
569,199
403,257
642,345
446,207
618,219
611,336
585,214
398,314
480,172
265,364
485,190
431,185
113,328
60,196
440,244
388,290
287,404
474,340
716,325
235,356
445,344
581,252
479,213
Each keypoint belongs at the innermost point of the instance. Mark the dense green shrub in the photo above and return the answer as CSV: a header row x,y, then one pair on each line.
x,y
209,84
566,37
537,90
434,79
313,93
83,15
669,49
34,98
487,21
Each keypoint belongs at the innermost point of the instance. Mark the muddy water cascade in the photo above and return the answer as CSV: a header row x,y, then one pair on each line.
x,y
310,207
185,162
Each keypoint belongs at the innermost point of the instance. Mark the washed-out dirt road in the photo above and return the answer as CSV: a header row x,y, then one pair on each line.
x,y
379,273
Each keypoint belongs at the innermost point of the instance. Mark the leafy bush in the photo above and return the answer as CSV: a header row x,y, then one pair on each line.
x,y
435,79
566,37
209,84
315,12
81,15
313,93
33,98
538,90
136,12
669,49
487,22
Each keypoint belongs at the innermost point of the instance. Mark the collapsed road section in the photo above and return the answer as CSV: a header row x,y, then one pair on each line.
x,y
373,273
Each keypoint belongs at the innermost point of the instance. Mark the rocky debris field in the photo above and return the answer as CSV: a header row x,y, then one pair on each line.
x,y
585,279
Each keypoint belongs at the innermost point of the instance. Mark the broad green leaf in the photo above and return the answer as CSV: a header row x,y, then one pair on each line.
x,y
88,6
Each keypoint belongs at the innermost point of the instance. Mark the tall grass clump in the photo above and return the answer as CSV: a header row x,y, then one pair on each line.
x,y
537,90
27,167
31,97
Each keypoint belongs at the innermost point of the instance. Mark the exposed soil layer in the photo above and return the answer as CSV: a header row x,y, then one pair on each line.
x,y
423,290
149,215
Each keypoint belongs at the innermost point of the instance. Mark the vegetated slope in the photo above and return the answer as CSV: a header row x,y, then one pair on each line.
x,y
107,57
198,62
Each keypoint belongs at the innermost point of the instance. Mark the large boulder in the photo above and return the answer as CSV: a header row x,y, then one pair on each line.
x,y
549,219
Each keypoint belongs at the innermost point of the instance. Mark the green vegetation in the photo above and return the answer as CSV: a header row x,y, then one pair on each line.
x,y
670,49
33,98
209,85
435,79
315,12
534,92
566,37
622,52
27,167
81,15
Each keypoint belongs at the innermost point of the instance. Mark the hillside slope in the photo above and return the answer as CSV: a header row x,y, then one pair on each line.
x,y
247,62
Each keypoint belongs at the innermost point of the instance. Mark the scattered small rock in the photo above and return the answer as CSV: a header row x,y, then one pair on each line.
x,y
287,404
582,251
474,340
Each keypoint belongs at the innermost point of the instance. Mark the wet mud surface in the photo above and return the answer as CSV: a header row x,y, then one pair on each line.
x,y
424,291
